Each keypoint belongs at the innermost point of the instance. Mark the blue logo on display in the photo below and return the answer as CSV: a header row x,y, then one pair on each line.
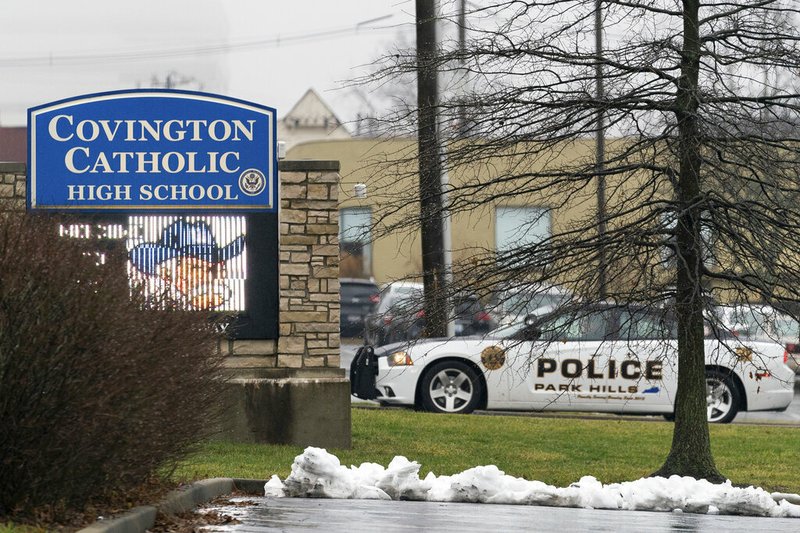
x,y
651,390
148,150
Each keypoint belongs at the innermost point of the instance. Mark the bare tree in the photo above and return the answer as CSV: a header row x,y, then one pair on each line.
x,y
700,169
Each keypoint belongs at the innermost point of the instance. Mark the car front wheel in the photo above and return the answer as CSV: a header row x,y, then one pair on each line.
x,y
722,397
451,387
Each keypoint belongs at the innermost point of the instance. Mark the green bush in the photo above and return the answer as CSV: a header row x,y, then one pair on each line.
x,y
96,395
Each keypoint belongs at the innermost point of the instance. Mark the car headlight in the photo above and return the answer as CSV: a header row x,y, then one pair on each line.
x,y
399,359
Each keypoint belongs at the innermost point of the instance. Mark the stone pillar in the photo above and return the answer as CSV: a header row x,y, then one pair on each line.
x,y
292,391
309,265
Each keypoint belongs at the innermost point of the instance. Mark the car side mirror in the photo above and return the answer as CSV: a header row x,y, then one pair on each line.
x,y
531,333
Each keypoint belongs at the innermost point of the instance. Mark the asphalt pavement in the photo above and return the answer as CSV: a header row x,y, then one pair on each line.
x,y
368,516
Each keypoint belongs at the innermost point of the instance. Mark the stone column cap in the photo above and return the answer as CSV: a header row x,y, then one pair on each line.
x,y
308,165
10,167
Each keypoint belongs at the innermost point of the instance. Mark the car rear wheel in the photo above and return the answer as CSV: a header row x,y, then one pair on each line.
x,y
451,387
722,397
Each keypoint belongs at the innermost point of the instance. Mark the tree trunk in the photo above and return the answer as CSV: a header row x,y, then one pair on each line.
x,y
690,454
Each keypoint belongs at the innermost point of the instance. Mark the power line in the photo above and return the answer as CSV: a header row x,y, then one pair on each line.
x,y
218,48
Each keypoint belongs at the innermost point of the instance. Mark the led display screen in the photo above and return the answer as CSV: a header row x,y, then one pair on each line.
x,y
204,263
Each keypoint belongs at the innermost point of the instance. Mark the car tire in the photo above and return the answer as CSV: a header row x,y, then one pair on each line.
x,y
722,396
450,387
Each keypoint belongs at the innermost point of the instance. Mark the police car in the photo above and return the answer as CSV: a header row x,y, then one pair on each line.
x,y
603,358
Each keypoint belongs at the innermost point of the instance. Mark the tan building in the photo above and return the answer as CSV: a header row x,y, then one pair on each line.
x,y
371,244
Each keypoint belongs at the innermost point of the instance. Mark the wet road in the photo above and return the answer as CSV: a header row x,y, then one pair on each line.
x,y
368,516
789,417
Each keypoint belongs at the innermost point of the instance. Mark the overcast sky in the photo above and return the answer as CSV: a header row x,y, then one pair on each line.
x,y
266,51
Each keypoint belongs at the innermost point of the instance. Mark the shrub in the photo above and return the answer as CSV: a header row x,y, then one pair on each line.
x,y
96,394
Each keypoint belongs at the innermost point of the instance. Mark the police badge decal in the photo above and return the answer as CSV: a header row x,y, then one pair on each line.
x,y
493,357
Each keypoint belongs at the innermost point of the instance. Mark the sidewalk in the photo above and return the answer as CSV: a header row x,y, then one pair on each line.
x,y
256,513
297,515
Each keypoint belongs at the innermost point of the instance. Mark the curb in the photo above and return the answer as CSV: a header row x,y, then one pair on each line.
x,y
136,520
140,519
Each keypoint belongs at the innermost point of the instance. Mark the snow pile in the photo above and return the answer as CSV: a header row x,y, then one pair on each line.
x,y
318,474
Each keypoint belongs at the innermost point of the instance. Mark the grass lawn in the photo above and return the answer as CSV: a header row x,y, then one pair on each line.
x,y
553,450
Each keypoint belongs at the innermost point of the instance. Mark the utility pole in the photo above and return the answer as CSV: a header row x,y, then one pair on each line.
x,y
462,59
600,153
430,171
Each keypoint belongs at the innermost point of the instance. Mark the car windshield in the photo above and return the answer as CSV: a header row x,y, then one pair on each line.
x,y
467,306
523,303
760,323
508,331
786,326
357,298
357,290
400,298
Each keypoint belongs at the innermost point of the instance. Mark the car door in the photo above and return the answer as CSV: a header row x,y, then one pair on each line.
x,y
563,368
642,362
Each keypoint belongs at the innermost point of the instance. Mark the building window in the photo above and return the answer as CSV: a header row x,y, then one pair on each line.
x,y
355,242
517,227
669,224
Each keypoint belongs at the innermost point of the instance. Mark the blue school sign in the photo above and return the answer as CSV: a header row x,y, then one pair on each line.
x,y
152,150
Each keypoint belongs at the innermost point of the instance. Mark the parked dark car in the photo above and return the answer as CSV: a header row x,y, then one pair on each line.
x,y
400,315
358,298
